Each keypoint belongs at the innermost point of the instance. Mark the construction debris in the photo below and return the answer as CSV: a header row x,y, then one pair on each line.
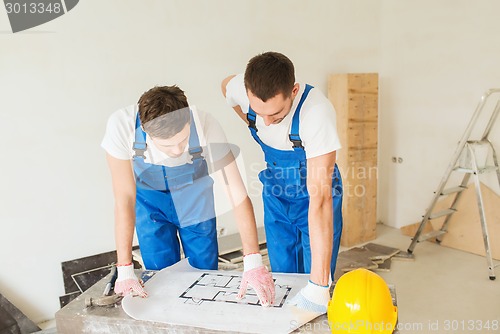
x,y
370,256
404,256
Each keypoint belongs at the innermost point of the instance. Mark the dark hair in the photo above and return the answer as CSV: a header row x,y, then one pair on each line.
x,y
269,74
164,111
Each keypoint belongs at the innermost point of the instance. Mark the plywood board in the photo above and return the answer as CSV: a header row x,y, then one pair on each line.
x,y
384,266
380,252
464,229
360,204
363,83
360,155
361,135
355,98
363,106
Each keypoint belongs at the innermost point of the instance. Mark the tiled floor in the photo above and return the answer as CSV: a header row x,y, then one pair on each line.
x,y
444,290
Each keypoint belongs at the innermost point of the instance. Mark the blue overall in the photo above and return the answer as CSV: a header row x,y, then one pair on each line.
x,y
286,201
174,201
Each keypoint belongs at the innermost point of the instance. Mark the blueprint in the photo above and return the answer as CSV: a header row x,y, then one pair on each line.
x,y
184,296
224,288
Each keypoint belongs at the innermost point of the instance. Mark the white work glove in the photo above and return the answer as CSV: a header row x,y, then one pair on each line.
x,y
127,282
312,297
259,278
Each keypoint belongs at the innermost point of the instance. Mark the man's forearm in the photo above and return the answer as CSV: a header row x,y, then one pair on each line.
x,y
246,225
321,239
241,204
124,233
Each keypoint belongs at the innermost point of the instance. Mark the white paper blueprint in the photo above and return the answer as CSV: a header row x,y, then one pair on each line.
x,y
183,295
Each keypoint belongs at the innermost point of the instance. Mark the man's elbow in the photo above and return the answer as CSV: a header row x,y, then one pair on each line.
x,y
317,202
125,202
223,85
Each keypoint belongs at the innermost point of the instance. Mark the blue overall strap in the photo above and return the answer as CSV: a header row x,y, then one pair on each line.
x,y
294,131
194,142
140,145
251,118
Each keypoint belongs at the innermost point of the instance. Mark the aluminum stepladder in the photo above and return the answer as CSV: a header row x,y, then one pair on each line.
x,y
466,153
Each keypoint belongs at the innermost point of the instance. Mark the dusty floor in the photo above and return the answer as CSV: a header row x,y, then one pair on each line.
x,y
444,290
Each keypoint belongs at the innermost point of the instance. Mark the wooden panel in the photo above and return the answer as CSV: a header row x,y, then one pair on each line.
x,y
363,107
355,98
464,230
362,83
363,154
360,203
361,135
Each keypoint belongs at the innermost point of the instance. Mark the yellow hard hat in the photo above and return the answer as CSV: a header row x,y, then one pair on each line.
x,y
362,304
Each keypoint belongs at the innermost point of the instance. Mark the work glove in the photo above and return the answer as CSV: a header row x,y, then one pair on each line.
x,y
127,282
312,297
259,278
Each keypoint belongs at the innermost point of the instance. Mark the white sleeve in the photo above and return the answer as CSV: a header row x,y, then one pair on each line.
x,y
236,94
118,139
318,130
216,138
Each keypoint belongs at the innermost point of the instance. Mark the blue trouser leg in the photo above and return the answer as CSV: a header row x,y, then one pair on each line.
x,y
284,247
287,232
283,239
299,211
337,194
199,243
158,239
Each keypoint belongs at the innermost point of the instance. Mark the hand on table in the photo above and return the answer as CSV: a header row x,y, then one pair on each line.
x,y
312,297
127,282
259,278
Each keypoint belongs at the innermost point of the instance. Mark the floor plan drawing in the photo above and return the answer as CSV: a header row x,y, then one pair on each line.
x,y
210,287
181,295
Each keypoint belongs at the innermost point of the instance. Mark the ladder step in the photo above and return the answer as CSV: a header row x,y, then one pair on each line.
x,y
453,190
430,235
488,169
483,170
446,212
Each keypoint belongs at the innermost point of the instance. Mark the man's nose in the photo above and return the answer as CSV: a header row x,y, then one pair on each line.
x,y
268,120
177,150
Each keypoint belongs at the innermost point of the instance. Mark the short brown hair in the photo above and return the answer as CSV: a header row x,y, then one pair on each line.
x,y
163,101
269,74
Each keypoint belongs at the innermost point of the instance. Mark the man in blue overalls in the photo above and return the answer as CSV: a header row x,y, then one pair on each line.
x,y
157,152
302,189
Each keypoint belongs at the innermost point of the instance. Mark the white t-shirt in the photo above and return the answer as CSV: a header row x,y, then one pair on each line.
x,y
317,128
120,136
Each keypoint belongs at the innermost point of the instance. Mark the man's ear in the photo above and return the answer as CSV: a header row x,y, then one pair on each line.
x,y
295,90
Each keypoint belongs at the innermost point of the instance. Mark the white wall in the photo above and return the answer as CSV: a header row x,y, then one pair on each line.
x,y
437,58
59,83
